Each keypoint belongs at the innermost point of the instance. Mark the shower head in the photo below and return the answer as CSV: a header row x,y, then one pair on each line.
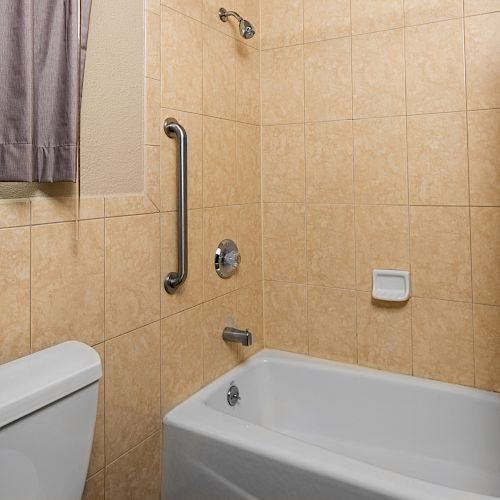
x,y
246,29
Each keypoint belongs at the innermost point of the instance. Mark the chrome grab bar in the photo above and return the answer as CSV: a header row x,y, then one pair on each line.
x,y
174,279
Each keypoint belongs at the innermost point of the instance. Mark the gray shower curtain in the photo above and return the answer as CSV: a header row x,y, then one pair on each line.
x,y
40,88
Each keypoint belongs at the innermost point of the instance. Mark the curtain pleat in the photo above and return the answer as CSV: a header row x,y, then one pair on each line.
x,y
40,88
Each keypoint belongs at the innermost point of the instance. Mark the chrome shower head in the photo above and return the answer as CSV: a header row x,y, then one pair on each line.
x,y
246,29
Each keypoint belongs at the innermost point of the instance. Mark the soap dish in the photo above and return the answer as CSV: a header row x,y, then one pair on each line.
x,y
391,285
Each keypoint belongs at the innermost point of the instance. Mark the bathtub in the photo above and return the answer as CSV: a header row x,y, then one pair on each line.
x,y
308,429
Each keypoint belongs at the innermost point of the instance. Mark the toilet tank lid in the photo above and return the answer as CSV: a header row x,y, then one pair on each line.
x,y
32,382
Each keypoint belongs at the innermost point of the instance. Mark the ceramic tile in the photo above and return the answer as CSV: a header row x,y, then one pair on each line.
x,y
440,252
442,341
132,389
249,310
482,38
248,155
218,224
63,209
133,204
219,74
428,11
250,244
247,84
181,62
332,323
169,169
282,85
487,347
218,356
152,5
94,487
219,162
283,166
329,169
437,159
14,293
328,86
14,213
182,356
137,474
284,242
190,293
369,16
381,241
67,283
97,458
380,171
484,157
378,74
473,7
324,19
331,246
384,334
435,74
152,45
191,8
485,226
211,17
282,23
285,316
132,252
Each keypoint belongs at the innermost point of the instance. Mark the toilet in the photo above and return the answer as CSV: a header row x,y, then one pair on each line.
x,y
48,405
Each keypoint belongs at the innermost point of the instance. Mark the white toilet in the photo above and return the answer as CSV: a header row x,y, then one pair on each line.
x,y
48,405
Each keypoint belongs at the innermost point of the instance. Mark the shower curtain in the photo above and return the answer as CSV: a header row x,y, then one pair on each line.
x,y
42,59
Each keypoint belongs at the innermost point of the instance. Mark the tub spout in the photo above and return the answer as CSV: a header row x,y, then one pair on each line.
x,y
243,337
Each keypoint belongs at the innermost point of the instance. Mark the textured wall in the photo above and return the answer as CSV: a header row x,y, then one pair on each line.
x,y
112,126
380,149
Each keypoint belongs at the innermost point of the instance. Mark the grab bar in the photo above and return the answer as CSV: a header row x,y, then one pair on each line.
x,y
174,279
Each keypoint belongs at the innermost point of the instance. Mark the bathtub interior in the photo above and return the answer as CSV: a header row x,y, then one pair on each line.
x,y
431,431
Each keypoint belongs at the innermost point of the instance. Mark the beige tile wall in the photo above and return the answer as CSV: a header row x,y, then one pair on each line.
x,y
106,288
159,349
380,149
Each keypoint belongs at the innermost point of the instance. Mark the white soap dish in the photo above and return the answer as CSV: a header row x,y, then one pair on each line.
x,y
391,285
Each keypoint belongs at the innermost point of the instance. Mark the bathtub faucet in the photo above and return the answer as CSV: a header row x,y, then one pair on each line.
x,y
243,337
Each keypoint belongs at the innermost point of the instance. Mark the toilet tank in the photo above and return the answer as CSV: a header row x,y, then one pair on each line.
x,y
48,405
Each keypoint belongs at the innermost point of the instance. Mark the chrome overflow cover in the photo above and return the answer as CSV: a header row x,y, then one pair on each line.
x,y
227,258
233,395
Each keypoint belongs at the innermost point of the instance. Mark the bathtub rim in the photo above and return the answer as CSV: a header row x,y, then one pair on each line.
x,y
196,416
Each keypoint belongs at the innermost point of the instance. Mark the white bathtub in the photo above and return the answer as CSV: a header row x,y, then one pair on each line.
x,y
307,429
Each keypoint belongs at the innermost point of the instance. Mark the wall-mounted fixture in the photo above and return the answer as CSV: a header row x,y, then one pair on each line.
x,y
231,334
174,129
246,29
227,258
391,285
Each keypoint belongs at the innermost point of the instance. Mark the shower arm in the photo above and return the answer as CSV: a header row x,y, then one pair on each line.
x,y
224,14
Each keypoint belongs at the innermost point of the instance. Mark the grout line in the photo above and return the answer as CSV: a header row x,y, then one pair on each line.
x,y
261,202
408,202
358,118
140,443
365,33
306,206
354,196
469,190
